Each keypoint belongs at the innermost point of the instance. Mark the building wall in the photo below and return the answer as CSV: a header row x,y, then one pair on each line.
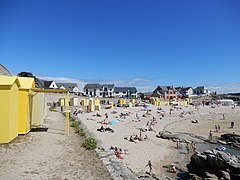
x,y
23,112
9,113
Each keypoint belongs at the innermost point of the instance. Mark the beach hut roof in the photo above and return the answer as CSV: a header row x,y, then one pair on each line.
x,y
26,82
8,80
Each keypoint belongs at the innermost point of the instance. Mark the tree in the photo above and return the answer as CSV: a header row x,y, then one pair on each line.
x,y
28,74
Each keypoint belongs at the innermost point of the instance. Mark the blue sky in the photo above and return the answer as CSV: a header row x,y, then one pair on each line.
x,y
127,42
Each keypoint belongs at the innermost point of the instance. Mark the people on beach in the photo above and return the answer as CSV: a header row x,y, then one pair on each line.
x,y
188,148
210,135
223,117
149,164
172,168
232,124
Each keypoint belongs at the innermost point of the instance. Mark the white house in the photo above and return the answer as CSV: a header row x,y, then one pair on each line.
x,y
97,90
201,90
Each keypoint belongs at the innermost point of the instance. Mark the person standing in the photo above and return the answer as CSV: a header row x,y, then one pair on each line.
x,y
150,166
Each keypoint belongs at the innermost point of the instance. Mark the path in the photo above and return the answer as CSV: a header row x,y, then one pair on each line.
x,y
50,155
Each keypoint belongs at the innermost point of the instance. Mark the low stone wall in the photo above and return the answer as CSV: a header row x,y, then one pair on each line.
x,y
116,168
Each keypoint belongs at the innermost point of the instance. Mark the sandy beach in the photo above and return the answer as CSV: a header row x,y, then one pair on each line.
x,y
55,155
161,152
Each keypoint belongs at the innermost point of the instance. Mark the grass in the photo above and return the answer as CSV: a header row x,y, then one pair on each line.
x,y
52,109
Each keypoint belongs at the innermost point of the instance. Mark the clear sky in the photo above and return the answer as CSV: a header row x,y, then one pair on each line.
x,y
143,43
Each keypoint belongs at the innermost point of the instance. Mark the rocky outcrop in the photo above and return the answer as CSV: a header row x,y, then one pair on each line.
x,y
180,136
232,139
215,163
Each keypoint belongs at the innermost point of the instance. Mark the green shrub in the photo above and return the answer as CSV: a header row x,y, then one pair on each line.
x,y
52,109
75,124
80,131
90,143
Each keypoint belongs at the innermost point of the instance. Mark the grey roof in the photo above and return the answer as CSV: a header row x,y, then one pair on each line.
x,y
199,88
4,71
98,86
163,89
40,83
92,86
125,89
47,84
109,86
182,88
69,86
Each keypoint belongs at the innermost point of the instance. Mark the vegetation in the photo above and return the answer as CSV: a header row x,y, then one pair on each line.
x,y
52,109
90,143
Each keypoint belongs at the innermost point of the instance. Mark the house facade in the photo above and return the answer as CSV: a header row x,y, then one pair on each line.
x,y
201,90
98,90
125,92
109,90
165,92
185,91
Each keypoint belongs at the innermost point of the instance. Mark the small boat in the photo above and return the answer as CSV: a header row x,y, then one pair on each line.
x,y
221,148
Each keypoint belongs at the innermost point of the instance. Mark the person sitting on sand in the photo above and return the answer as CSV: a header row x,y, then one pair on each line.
x,y
131,139
98,115
136,137
101,129
172,168
109,129
119,155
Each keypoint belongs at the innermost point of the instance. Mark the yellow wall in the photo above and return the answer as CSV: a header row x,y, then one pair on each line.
x,y
24,104
8,111
38,109
23,112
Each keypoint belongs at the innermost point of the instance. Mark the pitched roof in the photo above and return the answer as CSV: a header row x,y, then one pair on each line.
x,y
110,86
98,86
199,88
69,86
92,86
47,83
124,89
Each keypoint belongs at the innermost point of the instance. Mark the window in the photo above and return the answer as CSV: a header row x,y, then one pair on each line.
x,y
116,92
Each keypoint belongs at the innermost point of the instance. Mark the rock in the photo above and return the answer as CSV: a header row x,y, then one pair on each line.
x,y
210,176
233,139
180,137
213,162
225,175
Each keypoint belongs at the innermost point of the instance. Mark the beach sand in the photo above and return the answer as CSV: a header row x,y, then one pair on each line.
x,y
161,152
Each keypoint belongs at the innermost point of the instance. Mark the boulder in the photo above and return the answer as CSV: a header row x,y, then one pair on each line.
x,y
233,139
214,162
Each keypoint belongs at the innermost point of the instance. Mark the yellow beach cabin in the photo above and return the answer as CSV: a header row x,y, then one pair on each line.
x,y
8,108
